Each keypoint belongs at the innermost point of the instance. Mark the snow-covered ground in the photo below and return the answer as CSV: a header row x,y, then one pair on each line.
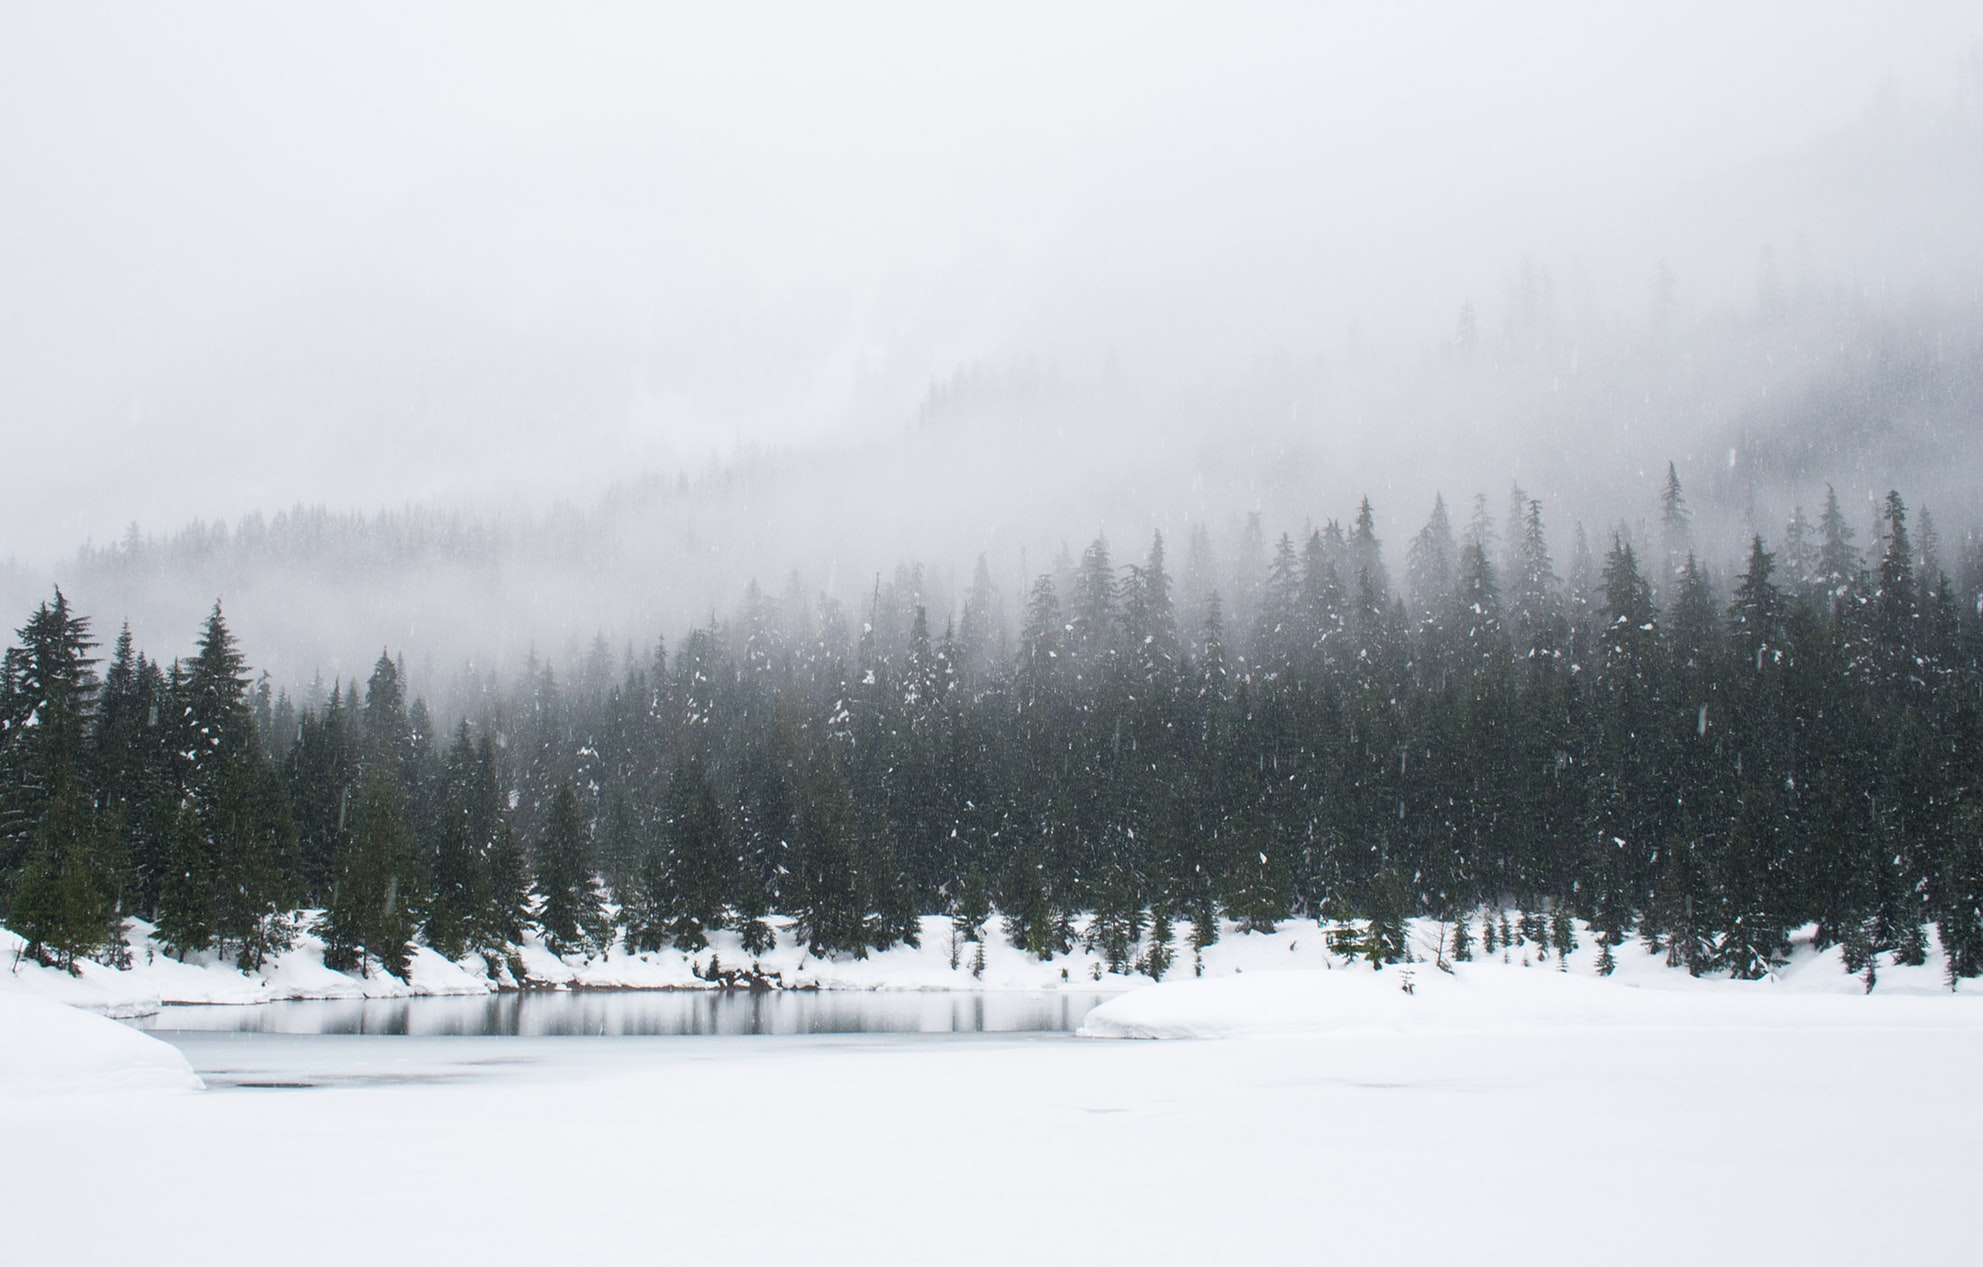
x,y
1496,1116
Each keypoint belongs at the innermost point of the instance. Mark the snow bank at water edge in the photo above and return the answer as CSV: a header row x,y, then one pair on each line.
x,y
1488,996
155,977
1274,1002
941,962
49,1048
1418,996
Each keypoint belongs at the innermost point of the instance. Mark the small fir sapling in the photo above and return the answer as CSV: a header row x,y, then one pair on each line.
x,y
1157,959
1564,931
759,937
1462,940
1535,930
1204,934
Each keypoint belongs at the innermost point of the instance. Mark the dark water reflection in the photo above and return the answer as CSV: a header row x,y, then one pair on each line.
x,y
649,1012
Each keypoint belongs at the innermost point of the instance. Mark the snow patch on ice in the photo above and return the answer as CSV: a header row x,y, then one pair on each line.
x,y
49,1048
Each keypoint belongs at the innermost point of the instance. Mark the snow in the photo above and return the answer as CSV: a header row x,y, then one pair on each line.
x,y
1843,1134
156,977
1282,1002
1474,997
50,1049
1499,1113
925,966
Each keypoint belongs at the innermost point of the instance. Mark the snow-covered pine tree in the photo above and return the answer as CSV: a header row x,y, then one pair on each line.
x,y
570,908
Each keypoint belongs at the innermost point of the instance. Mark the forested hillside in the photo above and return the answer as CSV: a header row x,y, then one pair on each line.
x,y
1701,761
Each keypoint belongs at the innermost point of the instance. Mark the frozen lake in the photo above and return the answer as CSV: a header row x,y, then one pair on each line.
x,y
549,1013
316,1043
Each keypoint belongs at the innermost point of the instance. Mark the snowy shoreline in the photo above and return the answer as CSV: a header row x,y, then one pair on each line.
x,y
155,979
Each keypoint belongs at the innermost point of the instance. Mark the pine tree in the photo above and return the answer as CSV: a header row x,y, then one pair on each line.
x,y
970,909
125,771
1563,932
1092,614
647,911
1371,581
1800,554
1958,896
1214,673
570,908
1534,615
56,884
1203,913
368,917
1478,633
1692,627
697,851
186,922
510,906
1157,957
238,807
1149,621
388,728
981,630
1276,630
1839,566
1246,573
1756,615
60,903
458,855
1463,939
1676,531
1430,563
321,771
827,892
1041,645
1895,614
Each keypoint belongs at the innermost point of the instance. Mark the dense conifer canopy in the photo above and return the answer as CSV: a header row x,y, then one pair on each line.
x,y
1703,762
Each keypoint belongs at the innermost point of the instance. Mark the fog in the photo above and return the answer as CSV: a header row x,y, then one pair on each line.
x,y
643,303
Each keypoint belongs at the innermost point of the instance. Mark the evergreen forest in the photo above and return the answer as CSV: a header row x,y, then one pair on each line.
x,y
1700,757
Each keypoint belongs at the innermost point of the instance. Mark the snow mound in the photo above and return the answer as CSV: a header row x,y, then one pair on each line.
x,y
1294,1001
50,1048
1399,997
1491,996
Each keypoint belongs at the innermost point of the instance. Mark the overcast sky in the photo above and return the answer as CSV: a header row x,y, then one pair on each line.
x,y
252,255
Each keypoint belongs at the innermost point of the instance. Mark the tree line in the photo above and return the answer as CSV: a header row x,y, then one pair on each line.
x,y
1702,763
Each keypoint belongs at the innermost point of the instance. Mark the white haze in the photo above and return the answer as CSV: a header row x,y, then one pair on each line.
x,y
494,256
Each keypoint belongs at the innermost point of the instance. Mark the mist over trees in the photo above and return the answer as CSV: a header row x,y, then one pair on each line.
x,y
1761,401
1484,718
